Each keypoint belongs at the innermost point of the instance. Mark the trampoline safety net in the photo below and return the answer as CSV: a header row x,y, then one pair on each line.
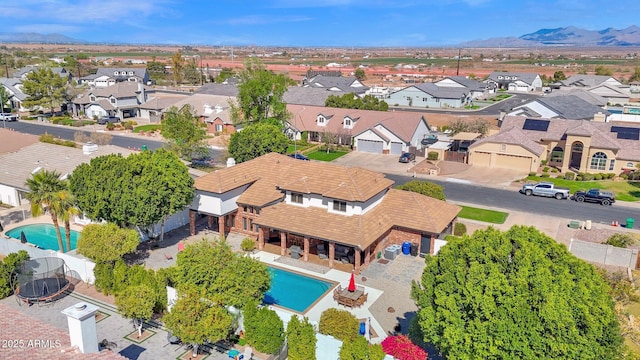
x,y
42,279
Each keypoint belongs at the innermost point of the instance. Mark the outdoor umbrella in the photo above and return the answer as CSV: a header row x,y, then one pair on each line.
x,y
352,283
23,237
367,329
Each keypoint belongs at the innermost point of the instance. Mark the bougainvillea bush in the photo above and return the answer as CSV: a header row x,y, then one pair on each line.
x,y
402,348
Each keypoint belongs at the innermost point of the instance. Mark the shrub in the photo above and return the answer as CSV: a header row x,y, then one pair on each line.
x,y
401,347
340,324
544,175
634,175
588,177
560,176
554,170
359,349
8,268
597,176
459,229
248,244
578,177
432,155
620,240
301,339
611,175
624,176
264,330
533,173
111,126
569,176
545,169
543,162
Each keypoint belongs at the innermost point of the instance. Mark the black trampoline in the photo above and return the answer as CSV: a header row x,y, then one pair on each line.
x,y
41,280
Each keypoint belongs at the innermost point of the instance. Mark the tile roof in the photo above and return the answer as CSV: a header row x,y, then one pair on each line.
x,y
401,123
13,141
513,136
218,89
470,84
522,76
160,103
268,175
398,208
571,107
204,105
18,326
308,95
125,89
345,84
140,72
588,96
442,92
585,80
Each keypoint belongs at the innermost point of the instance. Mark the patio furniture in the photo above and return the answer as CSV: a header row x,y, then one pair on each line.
x,y
349,298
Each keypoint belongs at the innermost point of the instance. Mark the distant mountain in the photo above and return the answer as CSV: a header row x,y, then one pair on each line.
x,y
568,36
37,38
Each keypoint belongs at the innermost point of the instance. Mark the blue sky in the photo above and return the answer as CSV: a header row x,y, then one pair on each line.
x,y
345,23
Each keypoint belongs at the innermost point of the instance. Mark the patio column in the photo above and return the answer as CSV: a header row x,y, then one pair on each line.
x,y
356,265
261,238
332,253
221,225
283,243
367,255
305,255
192,222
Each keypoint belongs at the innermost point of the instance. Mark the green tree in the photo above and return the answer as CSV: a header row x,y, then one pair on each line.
x,y
68,210
196,320
140,190
45,189
226,277
45,89
260,93
257,140
225,73
136,303
602,70
360,74
191,73
157,70
515,294
620,240
351,101
478,126
559,76
425,188
106,242
264,330
360,349
177,65
9,268
184,133
301,339
340,324
636,75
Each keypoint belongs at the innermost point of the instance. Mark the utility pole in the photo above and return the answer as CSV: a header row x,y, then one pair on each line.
x,y
458,70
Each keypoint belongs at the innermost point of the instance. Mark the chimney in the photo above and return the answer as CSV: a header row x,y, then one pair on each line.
x,y
599,117
81,319
231,162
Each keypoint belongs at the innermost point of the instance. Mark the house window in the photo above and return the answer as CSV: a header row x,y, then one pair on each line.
x,y
629,165
113,100
347,122
131,73
92,98
244,223
598,161
612,164
320,120
437,100
116,73
503,147
257,211
245,208
425,99
340,205
557,154
218,127
296,198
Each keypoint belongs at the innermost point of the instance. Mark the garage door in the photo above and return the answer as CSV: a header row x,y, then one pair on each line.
x,y
371,146
480,158
396,148
513,162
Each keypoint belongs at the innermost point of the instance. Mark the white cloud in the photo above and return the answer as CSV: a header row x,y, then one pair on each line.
x,y
265,19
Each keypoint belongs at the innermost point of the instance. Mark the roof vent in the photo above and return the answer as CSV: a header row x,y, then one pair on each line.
x,y
36,170
231,162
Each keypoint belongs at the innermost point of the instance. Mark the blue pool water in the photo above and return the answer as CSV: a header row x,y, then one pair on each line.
x,y
294,291
43,236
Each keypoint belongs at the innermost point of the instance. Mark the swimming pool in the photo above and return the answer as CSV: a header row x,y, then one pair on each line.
x,y
294,291
43,236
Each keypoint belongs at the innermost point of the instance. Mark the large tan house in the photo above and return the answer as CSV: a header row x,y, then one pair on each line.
x,y
570,145
330,212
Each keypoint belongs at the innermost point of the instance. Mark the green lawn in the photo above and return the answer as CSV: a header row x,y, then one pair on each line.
x,y
149,127
324,156
624,190
490,216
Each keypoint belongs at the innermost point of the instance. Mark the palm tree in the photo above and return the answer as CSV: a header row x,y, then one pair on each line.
x,y
45,191
67,211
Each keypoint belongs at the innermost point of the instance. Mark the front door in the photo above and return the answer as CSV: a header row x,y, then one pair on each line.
x,y
576,156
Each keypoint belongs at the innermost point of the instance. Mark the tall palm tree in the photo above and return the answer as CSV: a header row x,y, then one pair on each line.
x,y
67,211
45,191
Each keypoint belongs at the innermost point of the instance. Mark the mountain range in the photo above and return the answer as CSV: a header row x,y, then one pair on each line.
x,y
568,36
36,38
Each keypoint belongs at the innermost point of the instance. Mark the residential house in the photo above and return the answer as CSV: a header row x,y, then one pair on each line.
x,y
153,108
429,95
122,100
105,77
615,95
308,96
330,212
559,107
336,83
584,94
475,89
382,132
218,89
515,81
13,87
588,81
24,71
212,110
570,145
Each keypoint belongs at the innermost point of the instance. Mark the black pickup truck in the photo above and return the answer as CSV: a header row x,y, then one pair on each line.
x,y
595,196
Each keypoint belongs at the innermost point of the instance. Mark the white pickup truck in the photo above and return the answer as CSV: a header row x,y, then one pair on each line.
x,y
545,189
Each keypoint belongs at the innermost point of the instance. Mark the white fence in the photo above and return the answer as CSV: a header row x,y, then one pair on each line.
x,y
604,254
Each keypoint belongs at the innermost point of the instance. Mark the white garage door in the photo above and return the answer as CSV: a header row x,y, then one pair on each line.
x,y
371,146
396,148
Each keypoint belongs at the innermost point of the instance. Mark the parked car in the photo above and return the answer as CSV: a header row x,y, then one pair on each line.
x,y
595,196
8,117
429,139
108,119
203,161
545,189
299,156
407,157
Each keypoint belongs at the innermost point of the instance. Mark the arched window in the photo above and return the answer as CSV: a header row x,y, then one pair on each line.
x,y
556,154
577,147
598,161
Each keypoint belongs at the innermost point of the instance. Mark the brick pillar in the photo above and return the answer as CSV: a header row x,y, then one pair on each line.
x,y
367,255
283,243
192,222
305,255
210,222
221,225
332,253
356,266
261,238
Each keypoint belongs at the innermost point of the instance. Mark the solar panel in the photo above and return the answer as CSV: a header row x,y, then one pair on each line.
x,y
626,133
536,125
